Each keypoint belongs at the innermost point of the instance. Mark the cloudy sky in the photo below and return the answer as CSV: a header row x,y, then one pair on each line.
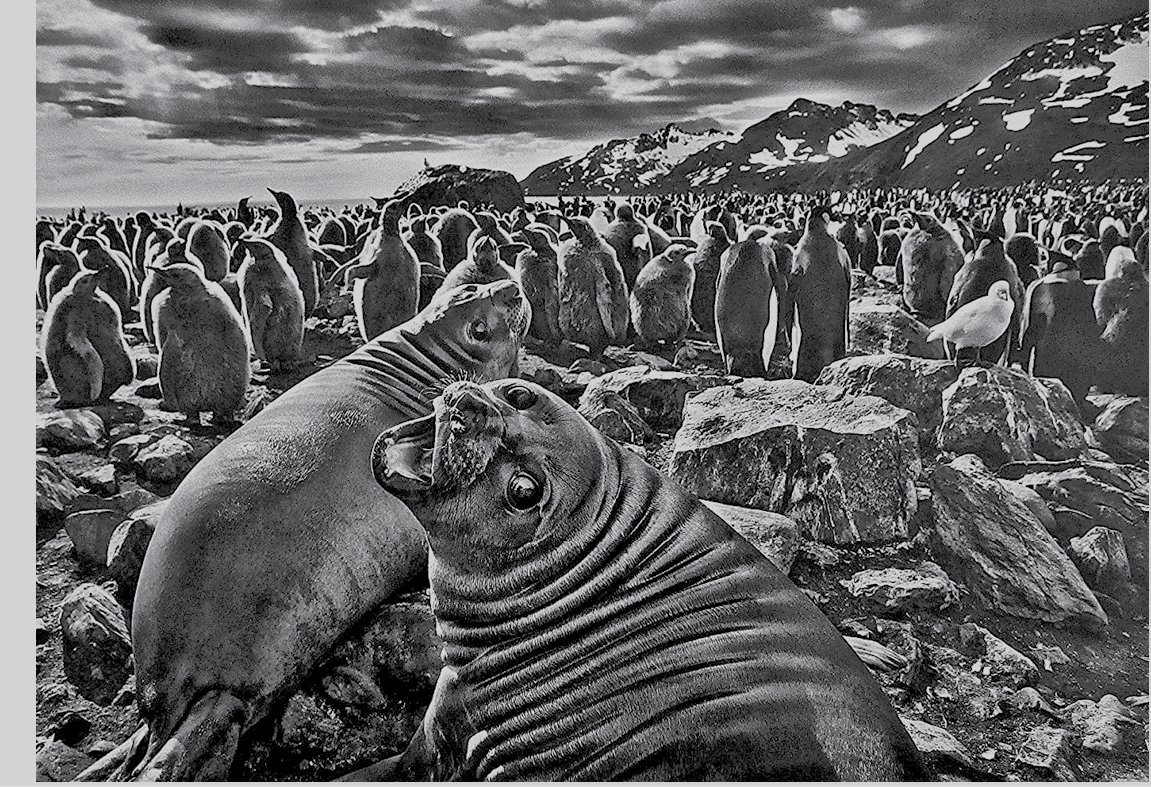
x,y
145,102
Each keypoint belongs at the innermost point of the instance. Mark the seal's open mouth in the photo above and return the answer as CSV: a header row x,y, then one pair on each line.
x,y
445,451
402,456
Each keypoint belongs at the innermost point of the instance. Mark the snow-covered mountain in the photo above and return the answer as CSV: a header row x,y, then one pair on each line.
x,y
623,165
1071,107
805,132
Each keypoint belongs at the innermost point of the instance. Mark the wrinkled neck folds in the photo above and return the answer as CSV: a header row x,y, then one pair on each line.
x,y
547,586
414,366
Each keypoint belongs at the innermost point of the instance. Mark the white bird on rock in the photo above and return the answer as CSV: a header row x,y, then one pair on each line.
x,y
978,323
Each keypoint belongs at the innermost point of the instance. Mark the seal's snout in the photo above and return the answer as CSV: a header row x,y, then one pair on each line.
x,y
506,293
468,408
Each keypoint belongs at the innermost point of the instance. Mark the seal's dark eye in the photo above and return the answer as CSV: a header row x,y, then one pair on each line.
x,y
480,331
520,397
524,491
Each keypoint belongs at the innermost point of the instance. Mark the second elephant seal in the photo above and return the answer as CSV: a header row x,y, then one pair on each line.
x,y
601,624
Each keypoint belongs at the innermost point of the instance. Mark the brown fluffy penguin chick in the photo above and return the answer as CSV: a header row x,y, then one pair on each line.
x,y
426,246
207,242
661,300
83,344
386,291
273,305
593,296
746,308
153,285
538,271
203,347
821,282
113,270
483,266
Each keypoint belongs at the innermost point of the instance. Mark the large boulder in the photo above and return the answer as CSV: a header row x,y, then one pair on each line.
x,y
97,651
447,184
902,590
1084,495
657,395
614,416
915,384
168,459
843,467
70,430
878,328
991,542
127,546
90,531
54,490
1121,429
1102,560
1003,415
774,535
58,762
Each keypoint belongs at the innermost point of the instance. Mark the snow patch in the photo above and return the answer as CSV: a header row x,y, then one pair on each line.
x,y
1074,153
1017,121
1122,116
996,100
986,83
960,133
925,139
1080,120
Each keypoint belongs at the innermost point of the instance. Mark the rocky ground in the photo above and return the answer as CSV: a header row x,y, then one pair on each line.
x,y
974,524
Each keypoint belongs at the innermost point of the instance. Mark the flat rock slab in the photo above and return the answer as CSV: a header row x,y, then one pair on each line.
x,y
915,384
658,395
1006,664
1048,749
843,467
1121,429
774,535
940,749
992,543
614,416
901,590
168,459
879,328
70,430
1003,415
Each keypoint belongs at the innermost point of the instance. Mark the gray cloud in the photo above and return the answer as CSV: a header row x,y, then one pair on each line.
x,y
421,82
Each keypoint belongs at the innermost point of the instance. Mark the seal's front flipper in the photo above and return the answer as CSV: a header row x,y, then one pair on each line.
x,y
113,765
203,747
383,771
445,747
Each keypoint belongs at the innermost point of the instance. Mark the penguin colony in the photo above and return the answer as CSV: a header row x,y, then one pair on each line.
x,y
769,278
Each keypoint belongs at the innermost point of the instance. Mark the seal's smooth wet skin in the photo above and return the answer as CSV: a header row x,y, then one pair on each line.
x,y
600,623
280,539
